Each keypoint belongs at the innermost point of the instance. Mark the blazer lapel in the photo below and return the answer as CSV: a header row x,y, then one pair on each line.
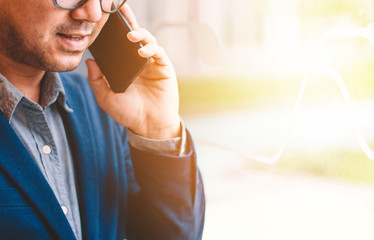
x,y
79,130
18,165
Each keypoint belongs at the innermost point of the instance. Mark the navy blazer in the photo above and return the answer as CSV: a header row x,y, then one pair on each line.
x,y
123,193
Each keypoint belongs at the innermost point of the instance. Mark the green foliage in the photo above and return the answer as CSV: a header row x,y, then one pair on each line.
x,y
212,94
338,164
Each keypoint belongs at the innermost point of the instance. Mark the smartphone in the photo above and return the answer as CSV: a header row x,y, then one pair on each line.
x,y
116,56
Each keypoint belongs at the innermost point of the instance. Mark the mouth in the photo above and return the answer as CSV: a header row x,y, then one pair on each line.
x,y
71,37
75,37
74,41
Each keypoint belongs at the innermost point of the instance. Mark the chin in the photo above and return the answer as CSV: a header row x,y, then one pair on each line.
x,y
63,64
69,67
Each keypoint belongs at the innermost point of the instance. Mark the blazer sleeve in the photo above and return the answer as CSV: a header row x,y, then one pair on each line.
x,y
168,200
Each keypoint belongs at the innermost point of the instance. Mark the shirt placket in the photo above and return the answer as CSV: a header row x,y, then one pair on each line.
x,y
49,158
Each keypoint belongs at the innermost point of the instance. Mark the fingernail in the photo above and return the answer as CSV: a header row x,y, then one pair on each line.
x,y
144,50
135,34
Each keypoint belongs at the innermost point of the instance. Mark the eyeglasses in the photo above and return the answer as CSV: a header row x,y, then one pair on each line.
x,y
107,6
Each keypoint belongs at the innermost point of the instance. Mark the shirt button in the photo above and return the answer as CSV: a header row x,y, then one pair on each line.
x,y
47,149
64,209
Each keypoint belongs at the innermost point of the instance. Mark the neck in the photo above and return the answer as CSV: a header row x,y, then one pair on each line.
x,y
26,78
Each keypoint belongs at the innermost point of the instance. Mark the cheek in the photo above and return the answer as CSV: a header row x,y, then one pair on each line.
x,y
31,13
34,31
36,18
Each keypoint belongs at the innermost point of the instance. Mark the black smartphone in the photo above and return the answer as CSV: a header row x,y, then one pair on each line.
x,y
116,56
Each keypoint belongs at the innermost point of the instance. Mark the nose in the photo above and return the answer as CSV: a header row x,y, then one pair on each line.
x,y
90,11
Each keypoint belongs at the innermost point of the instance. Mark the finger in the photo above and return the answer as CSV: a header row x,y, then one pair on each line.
x,y
129,15
141,35
156,52
98,82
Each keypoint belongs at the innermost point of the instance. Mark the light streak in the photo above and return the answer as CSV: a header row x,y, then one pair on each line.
x,y
367,33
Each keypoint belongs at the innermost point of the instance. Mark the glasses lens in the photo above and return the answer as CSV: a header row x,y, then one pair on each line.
x,y
111,5
69,4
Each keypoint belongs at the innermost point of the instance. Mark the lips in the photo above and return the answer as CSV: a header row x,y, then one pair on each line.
x,y
72,37
73,42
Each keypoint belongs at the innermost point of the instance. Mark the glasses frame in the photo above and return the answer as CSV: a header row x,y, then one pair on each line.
x,y
84,1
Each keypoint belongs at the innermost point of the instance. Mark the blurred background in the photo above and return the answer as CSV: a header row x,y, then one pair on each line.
x,y
270,171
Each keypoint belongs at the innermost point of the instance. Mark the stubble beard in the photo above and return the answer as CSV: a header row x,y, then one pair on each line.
x,y
20,49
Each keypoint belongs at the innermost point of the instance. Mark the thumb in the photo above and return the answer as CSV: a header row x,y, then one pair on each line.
x,y
98,82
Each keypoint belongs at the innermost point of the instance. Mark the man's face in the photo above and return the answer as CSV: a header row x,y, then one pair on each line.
x,y
38,34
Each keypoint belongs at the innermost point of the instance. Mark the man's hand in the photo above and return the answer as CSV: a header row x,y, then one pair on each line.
x,y
149,107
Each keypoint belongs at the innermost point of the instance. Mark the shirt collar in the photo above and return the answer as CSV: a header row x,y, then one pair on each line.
x,y
52,90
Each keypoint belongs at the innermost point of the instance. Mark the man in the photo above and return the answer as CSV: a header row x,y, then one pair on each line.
x,y
72,170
